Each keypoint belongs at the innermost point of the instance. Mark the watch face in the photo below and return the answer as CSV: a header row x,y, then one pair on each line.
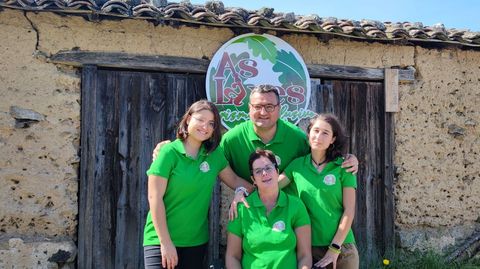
x,y
335,246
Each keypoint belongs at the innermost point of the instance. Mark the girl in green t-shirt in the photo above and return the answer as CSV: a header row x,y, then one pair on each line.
x,y
328,192
180,184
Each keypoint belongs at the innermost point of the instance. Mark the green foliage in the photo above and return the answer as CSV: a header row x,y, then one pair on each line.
x,y
260,46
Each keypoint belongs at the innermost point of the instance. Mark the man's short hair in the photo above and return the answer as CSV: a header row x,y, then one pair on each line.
x,y
266,88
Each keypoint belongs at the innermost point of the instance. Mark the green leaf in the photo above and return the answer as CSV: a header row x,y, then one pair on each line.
x,y
292,73
260,46
291,69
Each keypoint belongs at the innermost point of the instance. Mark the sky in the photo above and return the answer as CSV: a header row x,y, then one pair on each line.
x,y
459,14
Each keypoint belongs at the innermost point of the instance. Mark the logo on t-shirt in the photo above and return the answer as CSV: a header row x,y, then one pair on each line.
x,y
278,226
204,167
329,179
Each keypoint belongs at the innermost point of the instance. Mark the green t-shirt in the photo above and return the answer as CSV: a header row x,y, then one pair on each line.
x,y
188,193
322,194
289,143
269,241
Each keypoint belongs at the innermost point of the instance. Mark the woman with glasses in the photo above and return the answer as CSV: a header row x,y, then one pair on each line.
x,y
180,185
275,231
328,192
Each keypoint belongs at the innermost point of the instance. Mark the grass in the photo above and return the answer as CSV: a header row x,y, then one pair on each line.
x,y
417,260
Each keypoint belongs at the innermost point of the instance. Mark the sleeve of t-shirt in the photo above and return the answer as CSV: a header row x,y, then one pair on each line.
x,y
235,226
220,158
224,146
349,180
163,165
289,170
306,146
300,217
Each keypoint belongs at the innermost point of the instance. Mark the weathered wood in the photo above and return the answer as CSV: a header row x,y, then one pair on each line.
x,y
96,210
360,107
192,65
388,202
124,114
131,61
103,179
87,161
391,90
214,225
355,73
127,193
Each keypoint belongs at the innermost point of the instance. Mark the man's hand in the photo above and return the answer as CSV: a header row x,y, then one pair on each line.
x,y
238,198
351,163
157,149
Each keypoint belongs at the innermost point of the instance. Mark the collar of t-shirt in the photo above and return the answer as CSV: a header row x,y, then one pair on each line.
x,y
257,202
279,133
179,147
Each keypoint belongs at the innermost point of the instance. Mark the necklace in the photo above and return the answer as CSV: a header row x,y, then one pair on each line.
x,y
317,165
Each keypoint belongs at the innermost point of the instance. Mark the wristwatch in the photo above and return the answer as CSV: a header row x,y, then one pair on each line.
x,y
242,189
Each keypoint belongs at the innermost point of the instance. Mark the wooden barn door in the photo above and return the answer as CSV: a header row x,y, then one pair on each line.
x,y
361,108
124,114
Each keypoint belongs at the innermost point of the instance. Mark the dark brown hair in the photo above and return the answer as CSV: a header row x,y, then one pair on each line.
x,y
257,154
338,147
182,130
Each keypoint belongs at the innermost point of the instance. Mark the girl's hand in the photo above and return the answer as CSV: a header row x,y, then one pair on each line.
x,y
330,257
169,255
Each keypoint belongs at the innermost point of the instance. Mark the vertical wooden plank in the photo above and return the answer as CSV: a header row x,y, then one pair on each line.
x,y
130,87
375,138
387,199
95,220
153,121
87,163
315,94
391,90
176,106
326,98
360,132
341,107
103,179
388,208
313,105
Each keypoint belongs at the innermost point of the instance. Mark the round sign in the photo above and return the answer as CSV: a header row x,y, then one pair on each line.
x,y
250,60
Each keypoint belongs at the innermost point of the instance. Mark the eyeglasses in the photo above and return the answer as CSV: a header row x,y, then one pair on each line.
x,y
268,169
268,108
210,124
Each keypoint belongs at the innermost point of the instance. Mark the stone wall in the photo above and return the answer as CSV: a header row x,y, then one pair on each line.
x,y
437,129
